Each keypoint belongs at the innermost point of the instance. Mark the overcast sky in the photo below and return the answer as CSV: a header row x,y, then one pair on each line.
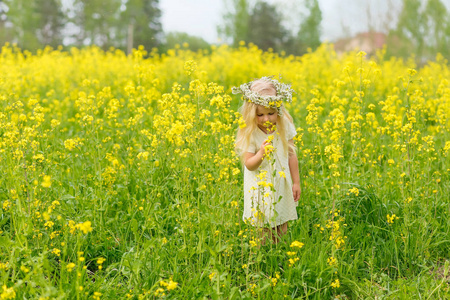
x,y
339,17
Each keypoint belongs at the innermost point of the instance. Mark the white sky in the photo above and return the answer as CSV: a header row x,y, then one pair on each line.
x,y
339,17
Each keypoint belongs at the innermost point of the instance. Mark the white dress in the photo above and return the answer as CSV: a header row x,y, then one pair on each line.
x,y
268,197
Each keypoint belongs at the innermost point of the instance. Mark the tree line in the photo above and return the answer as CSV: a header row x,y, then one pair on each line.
x,y
423,27
261,23
32,24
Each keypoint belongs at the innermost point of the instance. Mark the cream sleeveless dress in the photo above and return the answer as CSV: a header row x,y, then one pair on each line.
x,y
268,198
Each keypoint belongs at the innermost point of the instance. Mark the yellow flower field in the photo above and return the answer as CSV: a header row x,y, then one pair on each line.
x,y
119,177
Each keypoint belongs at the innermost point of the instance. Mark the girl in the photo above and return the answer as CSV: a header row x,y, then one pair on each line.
x,y
265,144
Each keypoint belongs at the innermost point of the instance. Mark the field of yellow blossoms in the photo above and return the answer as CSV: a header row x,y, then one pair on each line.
x,y
119,177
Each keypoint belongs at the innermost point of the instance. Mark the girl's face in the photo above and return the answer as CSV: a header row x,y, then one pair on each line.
x,y
265,115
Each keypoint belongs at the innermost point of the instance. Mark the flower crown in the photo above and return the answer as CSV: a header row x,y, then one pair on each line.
x,y
284,93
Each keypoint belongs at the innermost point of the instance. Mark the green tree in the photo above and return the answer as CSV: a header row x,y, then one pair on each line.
x,y
437,20
33,23
235,22
97,21
51,22
423,29
22,19
5,35
408,37
310,31
265,28
118,23
141,23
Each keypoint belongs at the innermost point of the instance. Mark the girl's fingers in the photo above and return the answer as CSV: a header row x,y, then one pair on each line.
x,y
296,193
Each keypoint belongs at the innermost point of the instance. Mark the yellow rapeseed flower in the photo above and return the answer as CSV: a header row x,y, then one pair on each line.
x,y
361,54
332,261
412,72
70,144
336,284
7,293
297,244
390,219
47,182
253,243
190,67
101,260
171,285
85,227
292,261
55,123
274,281
56,251
70,267
211,276
23,269
6,204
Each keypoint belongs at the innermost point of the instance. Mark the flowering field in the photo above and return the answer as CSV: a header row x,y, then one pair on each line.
x,y
119,177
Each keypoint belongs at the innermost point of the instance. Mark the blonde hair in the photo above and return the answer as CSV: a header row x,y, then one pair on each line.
x,y
248,112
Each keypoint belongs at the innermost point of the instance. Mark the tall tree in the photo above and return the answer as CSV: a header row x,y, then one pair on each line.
x,y
235,22
23,18
97,21
51,22
32,24
142,23
410,32
423,29
310,31
265,27
4,32
437,20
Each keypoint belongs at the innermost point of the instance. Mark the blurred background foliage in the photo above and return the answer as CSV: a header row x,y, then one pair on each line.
x,y
422,27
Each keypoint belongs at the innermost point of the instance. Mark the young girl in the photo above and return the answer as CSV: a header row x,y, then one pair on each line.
x,y
266,146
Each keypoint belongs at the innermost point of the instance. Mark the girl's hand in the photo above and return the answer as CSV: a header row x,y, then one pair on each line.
x,y
296,191
262,149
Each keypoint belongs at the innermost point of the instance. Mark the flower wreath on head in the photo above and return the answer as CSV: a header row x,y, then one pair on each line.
x,y
284,93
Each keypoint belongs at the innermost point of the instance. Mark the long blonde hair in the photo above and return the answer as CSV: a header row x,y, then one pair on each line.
x,y
248,112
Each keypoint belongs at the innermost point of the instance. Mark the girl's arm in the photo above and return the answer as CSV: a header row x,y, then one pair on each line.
x,y
253,160
293,168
